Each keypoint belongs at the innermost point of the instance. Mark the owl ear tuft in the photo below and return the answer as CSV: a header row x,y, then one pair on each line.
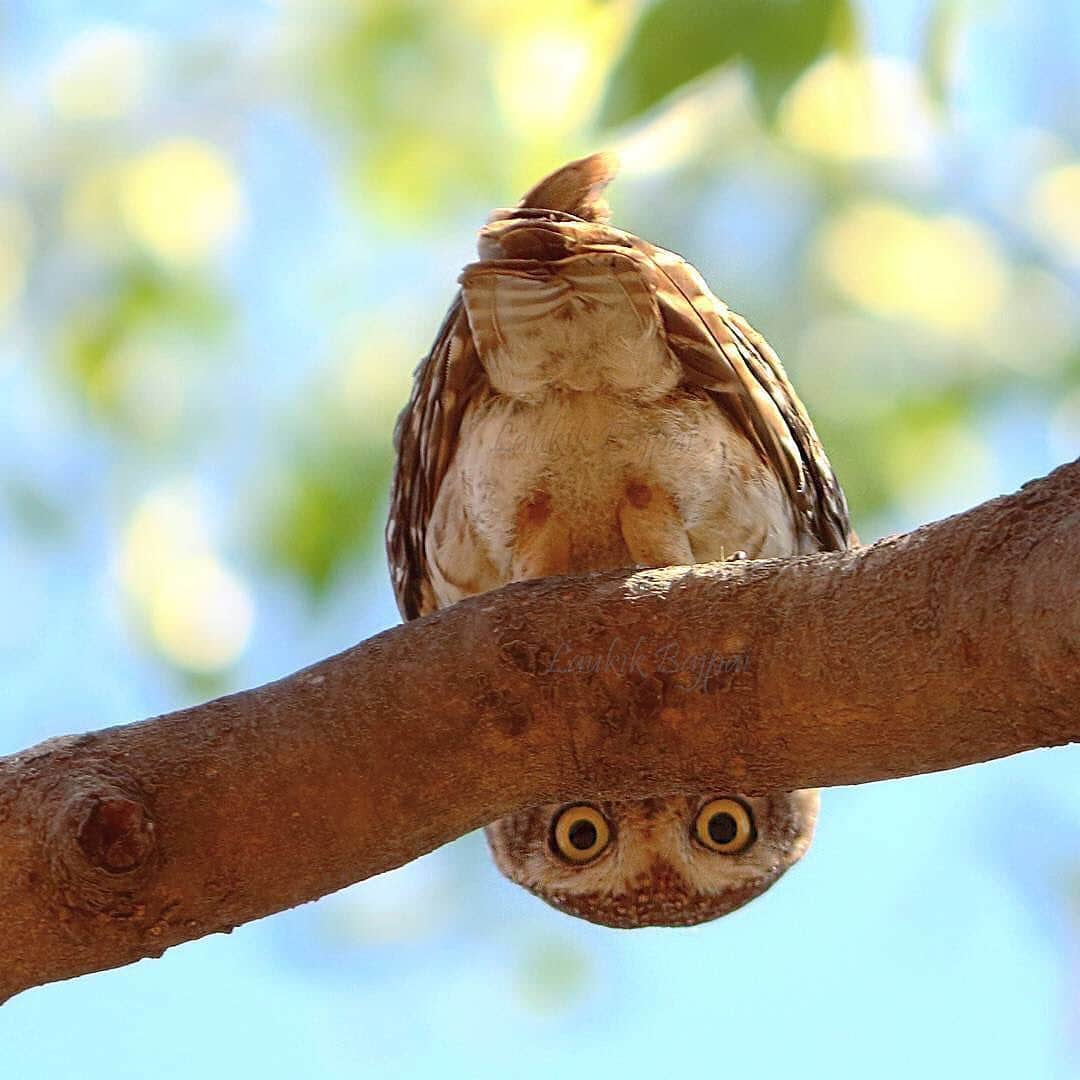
x,y
576,188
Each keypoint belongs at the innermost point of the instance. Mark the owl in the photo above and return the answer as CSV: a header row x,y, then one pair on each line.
x,y
588,404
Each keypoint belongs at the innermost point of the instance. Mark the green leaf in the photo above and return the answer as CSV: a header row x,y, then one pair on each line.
x,y
325,512
142,301
675,41
939,47
35,513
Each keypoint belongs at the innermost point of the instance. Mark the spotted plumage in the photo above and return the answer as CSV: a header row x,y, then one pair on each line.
x,y
589,404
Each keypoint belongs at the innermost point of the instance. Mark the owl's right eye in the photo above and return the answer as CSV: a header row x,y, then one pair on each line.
x,y
726,826
579,833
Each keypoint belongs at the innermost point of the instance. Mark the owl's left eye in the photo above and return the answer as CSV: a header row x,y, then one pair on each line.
x,y
725,826
579,833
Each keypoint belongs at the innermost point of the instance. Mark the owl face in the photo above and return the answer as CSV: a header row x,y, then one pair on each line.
x,y
673,861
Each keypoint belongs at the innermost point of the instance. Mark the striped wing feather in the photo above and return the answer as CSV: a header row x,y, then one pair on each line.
x,y
714,344
425,438
719,351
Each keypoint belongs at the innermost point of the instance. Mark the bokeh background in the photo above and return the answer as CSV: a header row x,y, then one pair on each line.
x,y
227,233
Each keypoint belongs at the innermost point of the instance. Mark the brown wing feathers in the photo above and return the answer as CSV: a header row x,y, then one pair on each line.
x,y
719,352
425,438
759,397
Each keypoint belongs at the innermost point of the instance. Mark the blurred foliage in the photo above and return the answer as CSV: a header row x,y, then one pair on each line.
x,y
440,108
371,68
675,41
107,345
552,974
236,244
943,29
325,508
35,513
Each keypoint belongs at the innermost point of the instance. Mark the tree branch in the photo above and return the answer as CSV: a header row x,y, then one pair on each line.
x,y
953,644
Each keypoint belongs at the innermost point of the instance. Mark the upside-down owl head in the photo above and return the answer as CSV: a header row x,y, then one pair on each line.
x,y
672,861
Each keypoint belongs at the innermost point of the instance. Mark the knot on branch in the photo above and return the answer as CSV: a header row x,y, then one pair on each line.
x,y
117,835
101,844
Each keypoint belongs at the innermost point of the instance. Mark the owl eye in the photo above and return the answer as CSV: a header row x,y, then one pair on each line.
x,y
579,833
726,826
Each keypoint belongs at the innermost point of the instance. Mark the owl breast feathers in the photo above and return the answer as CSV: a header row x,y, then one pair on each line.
x,y
589,404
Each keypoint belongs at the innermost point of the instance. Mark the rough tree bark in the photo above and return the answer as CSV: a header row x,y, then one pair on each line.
x,y
953,644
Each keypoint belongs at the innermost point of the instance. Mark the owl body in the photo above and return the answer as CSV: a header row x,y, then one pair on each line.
x,y
576,455
589,404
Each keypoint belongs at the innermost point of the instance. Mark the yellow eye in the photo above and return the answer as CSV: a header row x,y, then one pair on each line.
x,y
579,833
726,826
